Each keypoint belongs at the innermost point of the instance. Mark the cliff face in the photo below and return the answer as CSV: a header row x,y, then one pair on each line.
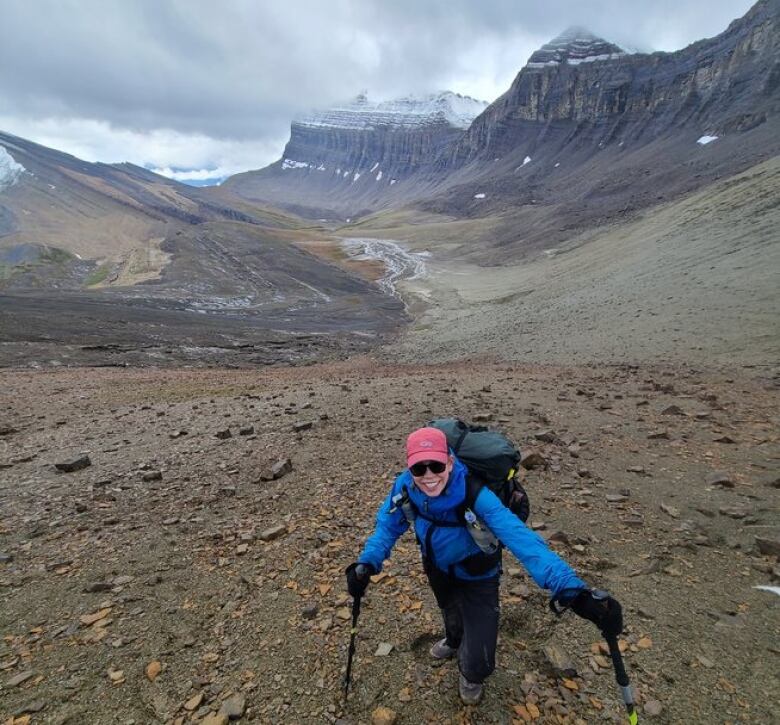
x,y
585,133
591,88
351,157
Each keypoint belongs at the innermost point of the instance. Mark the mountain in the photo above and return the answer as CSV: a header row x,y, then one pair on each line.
x,y
584,87
113,254
586,134
353,156
574,46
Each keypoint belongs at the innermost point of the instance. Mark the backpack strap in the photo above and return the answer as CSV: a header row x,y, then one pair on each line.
x,y
463,433
474,485
483,537
404,502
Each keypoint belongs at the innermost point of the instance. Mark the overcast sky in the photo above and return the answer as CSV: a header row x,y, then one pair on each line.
x,y
212,86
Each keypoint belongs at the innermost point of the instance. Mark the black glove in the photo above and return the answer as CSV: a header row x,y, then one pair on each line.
x,y
358,577
600,608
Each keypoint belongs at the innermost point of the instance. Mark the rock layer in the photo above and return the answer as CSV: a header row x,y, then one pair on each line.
x,y
358,151
585,134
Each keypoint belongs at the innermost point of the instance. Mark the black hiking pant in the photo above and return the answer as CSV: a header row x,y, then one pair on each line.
x,y
470,612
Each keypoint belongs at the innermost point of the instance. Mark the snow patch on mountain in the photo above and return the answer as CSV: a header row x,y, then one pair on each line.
x,y
704,140
10,170
409,112
290,164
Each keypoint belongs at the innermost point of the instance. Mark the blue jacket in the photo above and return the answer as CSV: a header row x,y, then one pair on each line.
x,y
445,547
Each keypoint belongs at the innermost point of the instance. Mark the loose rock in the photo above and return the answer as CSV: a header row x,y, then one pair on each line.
x,y
281,468
719,478
74,464
532,460
560,662
233,707
17,680
768,547
673,410
383,716
215,718
546,436
273,533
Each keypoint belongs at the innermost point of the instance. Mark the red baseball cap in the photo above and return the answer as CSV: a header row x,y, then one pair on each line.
x,y
426,444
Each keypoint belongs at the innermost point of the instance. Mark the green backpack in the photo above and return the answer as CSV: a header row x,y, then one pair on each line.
x,y
492,460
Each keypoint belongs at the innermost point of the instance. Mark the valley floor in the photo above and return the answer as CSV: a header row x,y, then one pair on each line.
x,y
695,281
171,552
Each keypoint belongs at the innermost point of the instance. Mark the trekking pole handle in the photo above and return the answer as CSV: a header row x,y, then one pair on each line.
x,y
361,571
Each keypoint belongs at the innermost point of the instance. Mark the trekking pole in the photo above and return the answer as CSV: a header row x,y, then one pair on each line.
x,y
622,677
359,571
617,659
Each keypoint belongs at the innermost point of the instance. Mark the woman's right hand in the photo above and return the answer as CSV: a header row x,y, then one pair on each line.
x,y
358,578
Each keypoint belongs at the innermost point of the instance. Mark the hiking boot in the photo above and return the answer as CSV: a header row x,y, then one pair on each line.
x,y
442,651
470,692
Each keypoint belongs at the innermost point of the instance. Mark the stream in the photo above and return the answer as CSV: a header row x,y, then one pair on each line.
x,y
399,263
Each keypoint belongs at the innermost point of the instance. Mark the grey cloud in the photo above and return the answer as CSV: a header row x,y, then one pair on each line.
x,y
242,69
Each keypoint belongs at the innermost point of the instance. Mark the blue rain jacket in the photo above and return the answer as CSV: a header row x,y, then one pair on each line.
x,y
445,547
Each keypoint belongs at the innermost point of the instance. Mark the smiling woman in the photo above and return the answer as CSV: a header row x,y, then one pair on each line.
x,y
429,461
434,497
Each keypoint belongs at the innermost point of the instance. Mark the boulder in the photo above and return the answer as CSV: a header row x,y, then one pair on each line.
x,y
533,459
383,716
233,707
560,662
281,468
74,464
673,410
545,436
273,533
720,478
768,547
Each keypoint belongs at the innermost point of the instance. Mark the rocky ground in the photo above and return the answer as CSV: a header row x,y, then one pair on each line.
x,y
178,575
692,282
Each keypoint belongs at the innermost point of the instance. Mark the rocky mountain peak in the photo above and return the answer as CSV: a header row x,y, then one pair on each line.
x,y
573,46
407,112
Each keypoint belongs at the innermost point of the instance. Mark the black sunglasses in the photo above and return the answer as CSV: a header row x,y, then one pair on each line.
x,y
418,469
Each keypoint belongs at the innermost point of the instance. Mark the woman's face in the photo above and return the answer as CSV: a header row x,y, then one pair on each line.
x,y
430,483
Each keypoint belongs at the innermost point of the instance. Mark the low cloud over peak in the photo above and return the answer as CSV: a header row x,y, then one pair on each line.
x,y
197,85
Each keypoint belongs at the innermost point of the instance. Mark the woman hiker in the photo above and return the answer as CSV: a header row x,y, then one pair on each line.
x,y
465,580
